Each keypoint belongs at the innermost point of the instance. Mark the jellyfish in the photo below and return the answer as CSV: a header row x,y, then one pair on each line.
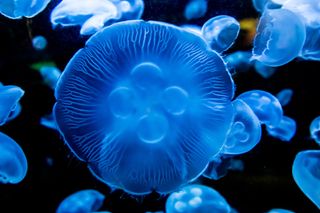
x,y
245,132
306,173
48,121
197,198
192,28
315,129
195,9
266,107
238,61
220,32
93,15
218,167
284,96
50,74
280,211
146,105
9,98
13,162
261,5
280,37
285,130
264,70
39,42
14,9
87,200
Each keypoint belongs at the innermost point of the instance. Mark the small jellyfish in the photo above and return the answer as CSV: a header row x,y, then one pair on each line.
x,y
218,167
266,107
284,96
49,122
195,199
220,32
245,131
9,106
280,211
280,37
238,61
315,129
13,162
130,10
264,70
195,9
146,104
14,9
50,74
87,200
285,130
39,42
306,173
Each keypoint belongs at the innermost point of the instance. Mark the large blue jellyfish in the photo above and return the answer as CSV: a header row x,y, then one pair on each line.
x,y
9,102
280,37
87,200
285,130
315,129
306,173
146,104
13,162
93,15
197,199
284,96
195,9
16,9
220,32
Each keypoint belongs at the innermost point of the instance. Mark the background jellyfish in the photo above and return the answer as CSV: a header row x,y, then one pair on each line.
x,y
13,162
50,75
280,211
315,129
39,42
87,200
195,9
280,37
238,61
115,111
284,96
263,70
220,32
26,8
306,173
285,130
197,198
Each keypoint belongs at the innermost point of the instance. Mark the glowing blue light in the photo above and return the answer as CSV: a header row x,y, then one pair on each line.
x,y
264,70
315,129
280,211
238,61
50,75
195,9
219,167
285,130
284,96
39,43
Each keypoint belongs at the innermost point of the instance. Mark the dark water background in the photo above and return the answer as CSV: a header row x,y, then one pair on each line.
x,y
265,183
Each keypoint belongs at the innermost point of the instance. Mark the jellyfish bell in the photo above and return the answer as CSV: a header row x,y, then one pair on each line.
x,y
148,113
315,129
285,130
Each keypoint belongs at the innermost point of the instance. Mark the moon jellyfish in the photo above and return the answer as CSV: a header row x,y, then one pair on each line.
x,y
13,162
220,32
14,9
146,105
245,131
197,199
284,96
266,107
263,70
87,200
280,37
50,74
285,130
315,129
39,42
238,61
261,5
9,106
306,173
280,211
195,9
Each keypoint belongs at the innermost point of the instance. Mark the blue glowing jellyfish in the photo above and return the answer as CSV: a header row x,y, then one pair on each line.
x,y
285,130
87,200
220,32
266,107
13,162
93,15
14,9
306,173
195,9
9,106
197,198
280,37
245,132
48,121
263,70
39,42
261,5
315,129
284,96
50,74
238,61
192,28
146,104
218,167
280,211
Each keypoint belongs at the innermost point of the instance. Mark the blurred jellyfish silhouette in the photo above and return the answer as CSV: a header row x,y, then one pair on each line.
x,y
146,105
285,130
261,5
263,70
39,42
197,198
48,121
221,32
306,173
284,96
238,61
315,129
87,200
13,162
195,9
280,211
14,9
9,102
93,15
